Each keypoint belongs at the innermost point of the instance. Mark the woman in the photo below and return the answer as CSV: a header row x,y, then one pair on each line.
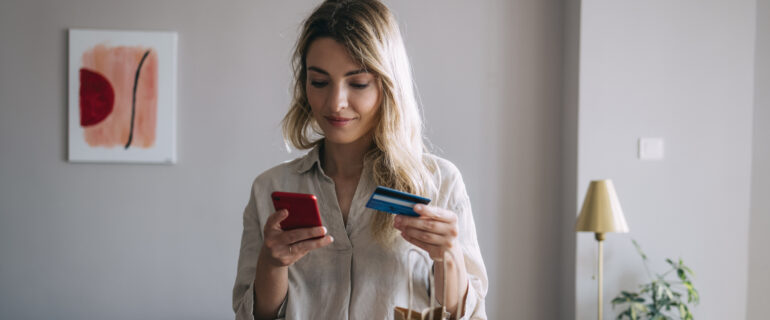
x,y
354,108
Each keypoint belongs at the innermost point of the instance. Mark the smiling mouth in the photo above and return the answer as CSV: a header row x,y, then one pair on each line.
x,y
338,121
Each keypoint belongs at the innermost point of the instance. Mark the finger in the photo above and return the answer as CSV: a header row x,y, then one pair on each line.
x,y
433,251
303,247
435,213
274,220
427,224
428,237
297,235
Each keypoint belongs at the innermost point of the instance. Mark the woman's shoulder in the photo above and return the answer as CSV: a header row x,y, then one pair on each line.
x,y
446,175
450,187
441,166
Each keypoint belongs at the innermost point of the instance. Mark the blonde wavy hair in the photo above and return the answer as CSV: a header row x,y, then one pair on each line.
x,y
370,33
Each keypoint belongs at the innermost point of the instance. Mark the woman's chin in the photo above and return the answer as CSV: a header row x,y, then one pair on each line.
x,y
341,138
335,139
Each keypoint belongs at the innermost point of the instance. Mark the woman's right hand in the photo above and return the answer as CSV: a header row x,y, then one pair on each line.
x,y
281,248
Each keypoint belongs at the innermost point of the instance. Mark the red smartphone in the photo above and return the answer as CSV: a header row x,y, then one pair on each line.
x,y
303,209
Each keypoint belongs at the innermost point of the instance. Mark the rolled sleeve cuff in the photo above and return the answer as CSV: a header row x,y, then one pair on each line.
x,y
282,309
471,301
246,309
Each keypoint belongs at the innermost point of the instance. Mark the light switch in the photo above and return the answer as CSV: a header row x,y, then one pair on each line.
x,y
651,148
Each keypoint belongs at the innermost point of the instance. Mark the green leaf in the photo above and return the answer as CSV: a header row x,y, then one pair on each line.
x,y
669,294
688,270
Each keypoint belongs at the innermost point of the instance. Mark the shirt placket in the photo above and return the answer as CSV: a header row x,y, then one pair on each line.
x,y
331,211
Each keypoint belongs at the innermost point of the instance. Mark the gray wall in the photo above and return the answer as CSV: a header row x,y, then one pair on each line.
x,y
140,241
684,71
568,155
759,255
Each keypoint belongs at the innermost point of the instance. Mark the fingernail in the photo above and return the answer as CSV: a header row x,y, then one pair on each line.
x,y
324,229
418,206
331,238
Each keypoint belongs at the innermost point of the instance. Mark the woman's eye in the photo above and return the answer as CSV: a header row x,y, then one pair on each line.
x,y
318,84
359,85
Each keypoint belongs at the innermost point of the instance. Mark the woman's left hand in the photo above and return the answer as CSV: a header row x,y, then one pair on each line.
x,y
435,230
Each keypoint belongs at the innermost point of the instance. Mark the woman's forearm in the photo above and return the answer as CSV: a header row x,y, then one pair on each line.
x,y
271,283
456,282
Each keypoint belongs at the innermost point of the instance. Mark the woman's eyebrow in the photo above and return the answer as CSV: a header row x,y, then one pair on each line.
x,y
322,71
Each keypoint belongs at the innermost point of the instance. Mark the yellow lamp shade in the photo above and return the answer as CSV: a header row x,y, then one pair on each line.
x,y
601,210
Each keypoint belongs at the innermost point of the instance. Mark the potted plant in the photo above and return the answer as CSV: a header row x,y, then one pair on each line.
x,y
662,297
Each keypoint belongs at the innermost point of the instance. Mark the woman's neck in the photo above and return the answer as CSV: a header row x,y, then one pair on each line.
x,y
345,160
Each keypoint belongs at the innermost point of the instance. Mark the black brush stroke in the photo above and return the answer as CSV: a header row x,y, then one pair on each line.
x,y
133,99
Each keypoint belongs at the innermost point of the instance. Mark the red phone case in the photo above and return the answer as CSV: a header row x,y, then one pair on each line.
x,y
303,209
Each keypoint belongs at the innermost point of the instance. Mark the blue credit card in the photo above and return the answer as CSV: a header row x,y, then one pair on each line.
x,y
394,201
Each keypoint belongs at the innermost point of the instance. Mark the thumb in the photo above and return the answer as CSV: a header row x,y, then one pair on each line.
x,y
277,218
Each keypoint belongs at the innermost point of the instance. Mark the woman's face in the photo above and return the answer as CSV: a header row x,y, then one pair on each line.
x,y
344,99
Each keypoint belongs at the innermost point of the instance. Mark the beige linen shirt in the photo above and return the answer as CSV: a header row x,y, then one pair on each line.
x,y
354,277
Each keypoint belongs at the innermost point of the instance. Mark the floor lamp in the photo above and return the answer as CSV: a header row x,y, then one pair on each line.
x,y
601,213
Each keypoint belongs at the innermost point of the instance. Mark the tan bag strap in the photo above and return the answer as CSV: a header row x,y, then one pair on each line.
x,y
460,305
431,281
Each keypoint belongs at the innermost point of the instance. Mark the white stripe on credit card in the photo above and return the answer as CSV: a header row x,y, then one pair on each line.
x,y
393,200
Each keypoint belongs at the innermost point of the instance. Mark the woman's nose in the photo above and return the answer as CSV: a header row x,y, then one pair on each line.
x,y
339,98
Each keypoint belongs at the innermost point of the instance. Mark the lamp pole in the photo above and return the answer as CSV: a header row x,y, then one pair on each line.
x,y
600,239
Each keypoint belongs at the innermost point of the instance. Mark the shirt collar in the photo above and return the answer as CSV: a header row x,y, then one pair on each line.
x,y
308,160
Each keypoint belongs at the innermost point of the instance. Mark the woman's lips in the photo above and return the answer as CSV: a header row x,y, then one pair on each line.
x,y
338,121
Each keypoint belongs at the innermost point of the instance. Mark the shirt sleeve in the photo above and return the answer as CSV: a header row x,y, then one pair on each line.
x,y
251,243
478,283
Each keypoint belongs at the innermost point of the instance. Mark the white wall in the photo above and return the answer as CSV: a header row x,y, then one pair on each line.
x,y
759,255
138,241
681,70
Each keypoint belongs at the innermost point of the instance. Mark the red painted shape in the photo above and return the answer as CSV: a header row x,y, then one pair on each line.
x,y
97,97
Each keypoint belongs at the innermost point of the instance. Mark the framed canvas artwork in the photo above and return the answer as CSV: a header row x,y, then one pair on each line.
x,y
122,96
